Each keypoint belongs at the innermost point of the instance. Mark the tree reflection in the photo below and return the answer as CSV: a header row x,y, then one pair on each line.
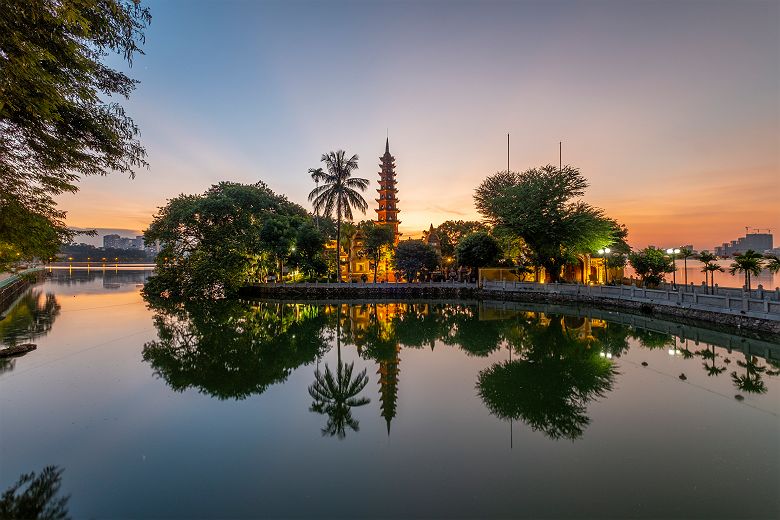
x,y
35,497
31,317
709,355
751,381
231,349
552,382
335,396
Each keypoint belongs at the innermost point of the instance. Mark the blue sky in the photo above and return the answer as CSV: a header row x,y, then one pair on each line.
x,y
671,109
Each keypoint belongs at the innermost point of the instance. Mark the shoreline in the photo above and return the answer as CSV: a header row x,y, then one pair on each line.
x,y
733,322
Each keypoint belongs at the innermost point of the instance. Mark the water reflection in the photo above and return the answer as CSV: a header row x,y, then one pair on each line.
x,y
557,374
31,316
229,349
554,363
36,497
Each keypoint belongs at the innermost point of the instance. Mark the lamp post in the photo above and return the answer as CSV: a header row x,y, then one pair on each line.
x,y
292,250
604,252
672,252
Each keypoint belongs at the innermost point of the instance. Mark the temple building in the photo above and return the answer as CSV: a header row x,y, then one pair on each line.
x,y
387,211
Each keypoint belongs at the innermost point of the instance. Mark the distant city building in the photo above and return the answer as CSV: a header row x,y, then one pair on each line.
x,y
759,242
117,242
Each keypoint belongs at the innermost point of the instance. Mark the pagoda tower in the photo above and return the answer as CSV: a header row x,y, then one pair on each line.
x,y
387,212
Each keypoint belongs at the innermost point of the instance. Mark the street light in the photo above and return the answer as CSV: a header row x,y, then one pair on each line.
x,y
604,252
672,253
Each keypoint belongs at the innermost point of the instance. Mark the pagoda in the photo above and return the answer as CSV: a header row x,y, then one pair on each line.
x,y
387,212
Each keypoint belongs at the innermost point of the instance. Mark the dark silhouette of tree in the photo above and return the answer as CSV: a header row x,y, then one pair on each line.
x,y
710,355
750,263
338,192
752,380
35,497
336,395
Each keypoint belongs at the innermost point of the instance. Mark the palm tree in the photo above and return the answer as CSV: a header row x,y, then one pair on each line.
x,y
711,268
749,263
685,253
338,191
708,259
773,264
335,396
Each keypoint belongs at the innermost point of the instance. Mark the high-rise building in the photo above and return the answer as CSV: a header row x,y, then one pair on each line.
x,y
387,211
759,242
112,242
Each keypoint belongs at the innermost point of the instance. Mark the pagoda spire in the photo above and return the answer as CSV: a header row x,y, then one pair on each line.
x,y
387,203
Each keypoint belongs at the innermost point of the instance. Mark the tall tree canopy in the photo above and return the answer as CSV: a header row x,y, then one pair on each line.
x,y
211,243
340,191
413,256
478,250
56,123
451,231
541,207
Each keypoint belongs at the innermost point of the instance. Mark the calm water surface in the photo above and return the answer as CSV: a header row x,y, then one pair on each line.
x,y
422,409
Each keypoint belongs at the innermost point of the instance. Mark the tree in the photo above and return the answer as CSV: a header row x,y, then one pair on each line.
x,y
376,238
26,234
651,264
451,231
277,237
772,264
55,125
309,248
709,268
478,250
339,191
210,244
749,263
39,499
685,254
538,207
414,256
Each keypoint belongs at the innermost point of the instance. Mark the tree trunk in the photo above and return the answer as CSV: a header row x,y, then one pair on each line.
x,y
338,243
376,265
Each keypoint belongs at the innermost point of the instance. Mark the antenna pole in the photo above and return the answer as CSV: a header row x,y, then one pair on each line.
x,y
560,155
507,153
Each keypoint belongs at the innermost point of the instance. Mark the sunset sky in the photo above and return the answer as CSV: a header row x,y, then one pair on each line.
x,y
670,109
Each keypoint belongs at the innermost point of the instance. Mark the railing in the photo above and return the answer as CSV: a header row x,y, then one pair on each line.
x,y
5,282
367,285
744,303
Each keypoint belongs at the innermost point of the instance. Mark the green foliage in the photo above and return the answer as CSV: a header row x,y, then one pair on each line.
x,y
309,251
376,238
750,263
26,234
478,250
412,257
450,233
211,244
35,497
709,268
55,125
651,264
552,382
32,316
539,206
229,349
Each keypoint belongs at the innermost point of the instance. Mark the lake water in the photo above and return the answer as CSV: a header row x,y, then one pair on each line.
x,y
418,409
